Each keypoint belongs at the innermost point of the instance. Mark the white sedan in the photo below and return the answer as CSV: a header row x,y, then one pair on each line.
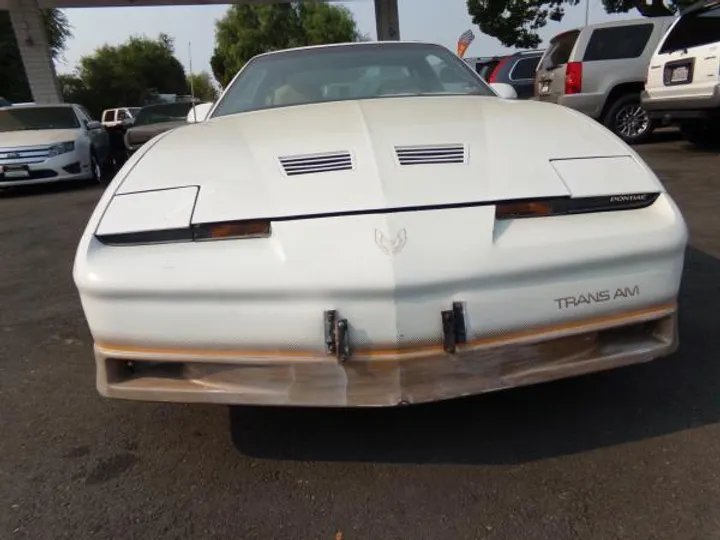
x,y
47,143
371,224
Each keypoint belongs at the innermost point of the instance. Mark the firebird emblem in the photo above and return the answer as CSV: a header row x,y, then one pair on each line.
x,y
391,247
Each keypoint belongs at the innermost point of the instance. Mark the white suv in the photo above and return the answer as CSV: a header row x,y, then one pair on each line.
x,y
683,79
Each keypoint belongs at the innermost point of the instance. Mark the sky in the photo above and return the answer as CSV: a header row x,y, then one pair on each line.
x,y
439,21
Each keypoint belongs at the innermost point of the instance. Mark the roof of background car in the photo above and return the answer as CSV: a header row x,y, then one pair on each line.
x,y
615,23
40,105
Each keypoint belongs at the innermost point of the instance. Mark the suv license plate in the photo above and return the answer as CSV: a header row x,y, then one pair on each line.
x,y
679,74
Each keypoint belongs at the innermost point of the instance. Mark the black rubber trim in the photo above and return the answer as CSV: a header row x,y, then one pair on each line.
x,y
561,206
586,205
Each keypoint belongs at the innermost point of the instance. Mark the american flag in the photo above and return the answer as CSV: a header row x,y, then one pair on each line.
x,y
464,41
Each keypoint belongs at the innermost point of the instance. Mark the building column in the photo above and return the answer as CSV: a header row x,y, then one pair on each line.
x,y
387,20
27,23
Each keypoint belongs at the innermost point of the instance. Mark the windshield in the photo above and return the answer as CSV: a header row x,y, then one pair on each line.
x,y
558,53
32,118
166,112
346,72
695,29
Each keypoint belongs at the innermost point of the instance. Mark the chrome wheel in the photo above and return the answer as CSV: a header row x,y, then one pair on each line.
x,y
632,121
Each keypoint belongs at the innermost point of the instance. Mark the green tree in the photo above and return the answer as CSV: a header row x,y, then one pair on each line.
x,y
14,85
126,75
515,23
202,86
248,30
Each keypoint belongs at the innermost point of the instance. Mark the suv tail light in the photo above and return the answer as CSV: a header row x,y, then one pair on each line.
x,y
573,78
493,75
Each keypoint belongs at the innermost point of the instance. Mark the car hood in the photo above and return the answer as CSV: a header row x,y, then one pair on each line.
x,y
15,139
236,160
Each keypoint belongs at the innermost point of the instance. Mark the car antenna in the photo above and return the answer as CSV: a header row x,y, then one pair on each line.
x,y
192,85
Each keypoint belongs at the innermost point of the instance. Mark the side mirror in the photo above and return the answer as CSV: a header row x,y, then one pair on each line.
x,y
92,125
505,91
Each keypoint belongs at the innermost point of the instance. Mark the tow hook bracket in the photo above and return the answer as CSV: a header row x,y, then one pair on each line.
x,y
453,325
337,335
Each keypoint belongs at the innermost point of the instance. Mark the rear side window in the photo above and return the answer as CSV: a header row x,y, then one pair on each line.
x,y
560,49
617,43
694,30
109,116
524,68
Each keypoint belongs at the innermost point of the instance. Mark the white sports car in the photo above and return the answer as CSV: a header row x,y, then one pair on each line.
x,y
372,224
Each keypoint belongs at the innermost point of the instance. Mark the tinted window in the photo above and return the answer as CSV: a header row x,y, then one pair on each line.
x,y
122,115
364,71
31,118
166,112
525,68
694,30
109,116
484,69
618,43
560,49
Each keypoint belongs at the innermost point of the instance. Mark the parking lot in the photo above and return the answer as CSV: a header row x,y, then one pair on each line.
x,y
633,453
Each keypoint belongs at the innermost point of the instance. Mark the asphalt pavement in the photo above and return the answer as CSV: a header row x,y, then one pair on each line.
x,y
632,454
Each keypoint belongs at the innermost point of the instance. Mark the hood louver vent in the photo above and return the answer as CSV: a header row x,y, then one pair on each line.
x,y
426,155
316,163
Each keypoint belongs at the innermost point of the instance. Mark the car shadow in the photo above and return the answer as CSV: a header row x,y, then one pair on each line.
x,y
663,135
667,395
46,189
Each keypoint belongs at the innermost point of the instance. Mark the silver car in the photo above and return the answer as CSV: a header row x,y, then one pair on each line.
x,y
50,143
600,71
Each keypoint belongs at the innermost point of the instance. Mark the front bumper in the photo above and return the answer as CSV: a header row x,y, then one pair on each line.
x,y
387,378
66,167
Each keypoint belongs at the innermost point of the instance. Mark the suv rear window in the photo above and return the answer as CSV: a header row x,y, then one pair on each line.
x,y
524,68
109,116
485,67
618,42
560,49
694,30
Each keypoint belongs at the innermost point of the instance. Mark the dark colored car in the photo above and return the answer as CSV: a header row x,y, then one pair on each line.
x,y
517,70
4,102
484,65
155,119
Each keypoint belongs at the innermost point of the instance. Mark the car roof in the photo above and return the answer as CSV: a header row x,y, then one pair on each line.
x,y
698,6
617,23
41,105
